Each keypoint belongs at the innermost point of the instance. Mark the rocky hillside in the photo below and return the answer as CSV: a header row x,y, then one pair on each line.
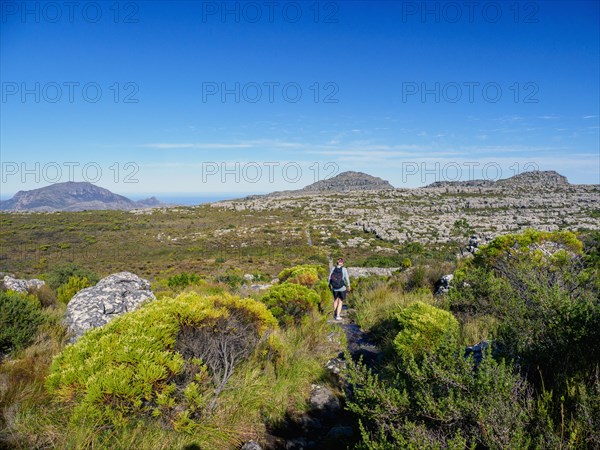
x,y
72,196
538,178
541,200
344,182
348,181
542,179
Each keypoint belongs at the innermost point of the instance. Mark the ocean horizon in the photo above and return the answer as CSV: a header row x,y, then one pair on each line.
x,y
191,199
183,199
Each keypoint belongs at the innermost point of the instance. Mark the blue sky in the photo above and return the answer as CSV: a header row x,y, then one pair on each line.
x,y
210,97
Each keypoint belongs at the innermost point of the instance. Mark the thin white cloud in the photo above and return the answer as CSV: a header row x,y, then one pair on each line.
x,y
221,145
509,119
202,146
500,149
590,117
274,143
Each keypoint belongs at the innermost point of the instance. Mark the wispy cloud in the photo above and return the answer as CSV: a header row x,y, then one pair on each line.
x,y
509,118
201,146
274,143
501,149
258,143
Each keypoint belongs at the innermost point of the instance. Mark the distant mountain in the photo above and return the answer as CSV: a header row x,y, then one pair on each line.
x,y
151,202
72,196
344,182
535,178
525,179
349,181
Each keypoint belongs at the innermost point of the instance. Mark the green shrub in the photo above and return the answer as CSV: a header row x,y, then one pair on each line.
x,y
259,276
424,277
20,319
591,245
232,277
414,248
424,329
170,360
381,261
479,328
67,291
182,280
375,308
540,296
416,279
545,302
476,290
321,259
442,401
60,275
401,260
206,288
461,229
290,303
305,275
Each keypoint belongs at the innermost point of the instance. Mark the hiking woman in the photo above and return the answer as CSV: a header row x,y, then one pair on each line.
x,y
339,283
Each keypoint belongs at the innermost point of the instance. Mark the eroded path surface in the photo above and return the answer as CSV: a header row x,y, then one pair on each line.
x,y
327,425
360,343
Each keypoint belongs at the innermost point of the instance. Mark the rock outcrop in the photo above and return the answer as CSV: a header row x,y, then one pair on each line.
x,y
323,402
113,296
473,244
443,284
357,272
15,284
477,351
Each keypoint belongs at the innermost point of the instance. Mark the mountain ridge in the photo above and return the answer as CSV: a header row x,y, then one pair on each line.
x,y
80,196
536,177
73,196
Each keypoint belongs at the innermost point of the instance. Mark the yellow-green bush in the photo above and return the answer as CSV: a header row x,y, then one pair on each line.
x,y
530,242
290,302
305,275
66,291
149,363
423,329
